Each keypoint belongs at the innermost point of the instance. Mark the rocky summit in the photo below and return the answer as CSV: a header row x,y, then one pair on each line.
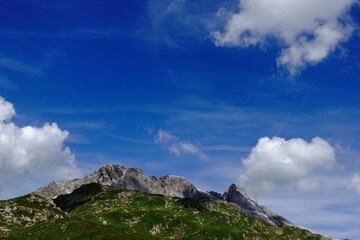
x,y
125,178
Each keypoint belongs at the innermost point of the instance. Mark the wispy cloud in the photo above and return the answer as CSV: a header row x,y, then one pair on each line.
x,y
89,124
226,148
172,22
19,66
164,137
177,147
127,139
354,185
77,139
6,83
149,128
88,32
226,123
186,147
91,32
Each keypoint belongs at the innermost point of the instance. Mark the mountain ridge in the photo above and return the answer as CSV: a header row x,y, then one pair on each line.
x,y
117,176
117,202
120,177
114,214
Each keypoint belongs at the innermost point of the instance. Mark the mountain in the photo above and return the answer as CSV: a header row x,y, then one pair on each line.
x,y
116,202
174,186
127,178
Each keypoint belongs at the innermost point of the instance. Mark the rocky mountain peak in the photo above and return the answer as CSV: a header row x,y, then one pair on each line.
x,y
236,194
126,178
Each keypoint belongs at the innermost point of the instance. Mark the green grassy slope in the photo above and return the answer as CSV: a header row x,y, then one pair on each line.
x,y
26,211
125,214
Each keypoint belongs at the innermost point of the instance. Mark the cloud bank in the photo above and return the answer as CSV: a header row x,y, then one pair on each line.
x,y
308,30
32,150
354,185
276,162
177,147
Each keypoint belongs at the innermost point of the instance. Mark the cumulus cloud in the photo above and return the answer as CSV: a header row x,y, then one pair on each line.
x,y
32,150
7,110
177,147
354,185
276,162
308,30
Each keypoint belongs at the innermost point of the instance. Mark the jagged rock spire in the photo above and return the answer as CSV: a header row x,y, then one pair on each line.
x,y
236,194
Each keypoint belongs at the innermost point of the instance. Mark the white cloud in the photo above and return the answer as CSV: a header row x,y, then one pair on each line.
x,y
185,147
309,185
174,149
32,150
308,30
7,110
149,128
178,147
276,163
164,137
77,139
173,5
354,185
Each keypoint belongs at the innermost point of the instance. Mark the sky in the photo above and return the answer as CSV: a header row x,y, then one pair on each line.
x,y
263,93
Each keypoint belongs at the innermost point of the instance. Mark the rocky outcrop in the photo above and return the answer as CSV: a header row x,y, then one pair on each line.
x,y
237,195
216,195
79,196
126,178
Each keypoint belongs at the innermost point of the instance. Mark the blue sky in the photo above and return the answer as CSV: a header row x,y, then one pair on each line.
x,y
188,88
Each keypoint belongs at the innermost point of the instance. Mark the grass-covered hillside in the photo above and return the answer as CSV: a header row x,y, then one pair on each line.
x,y
125,214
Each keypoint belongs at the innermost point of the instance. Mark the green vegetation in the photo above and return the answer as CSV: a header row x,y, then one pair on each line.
x,y
125,214
26,211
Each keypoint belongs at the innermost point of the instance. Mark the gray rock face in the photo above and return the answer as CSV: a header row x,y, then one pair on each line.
x,y
126,178
216,195
237,195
